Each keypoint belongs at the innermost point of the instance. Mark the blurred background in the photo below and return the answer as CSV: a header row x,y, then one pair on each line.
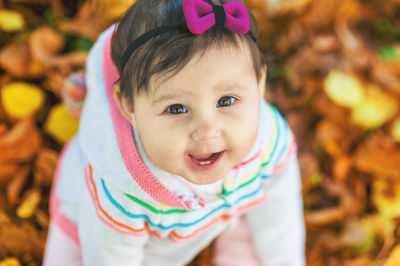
x,y
333,71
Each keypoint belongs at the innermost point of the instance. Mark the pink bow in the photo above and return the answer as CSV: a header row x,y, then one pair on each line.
x,y
200,16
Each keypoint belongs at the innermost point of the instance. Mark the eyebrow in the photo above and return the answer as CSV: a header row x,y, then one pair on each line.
x,y
164,97
171,96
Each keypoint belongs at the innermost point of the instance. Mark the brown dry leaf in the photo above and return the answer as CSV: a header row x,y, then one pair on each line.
x,y
42,218
387,74
20,143
341,167
320,14
326,108
353,233
7,171
331,136
325,43
378,155
348,12
45,43
347,205
95,16
309,167
324,216
3,127
14,58
21,239
285,6
45,165
14,188
359,261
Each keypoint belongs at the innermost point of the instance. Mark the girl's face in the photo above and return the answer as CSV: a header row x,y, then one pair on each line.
x,y
204,120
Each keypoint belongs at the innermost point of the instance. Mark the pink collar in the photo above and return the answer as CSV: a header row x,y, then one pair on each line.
x,y
125,140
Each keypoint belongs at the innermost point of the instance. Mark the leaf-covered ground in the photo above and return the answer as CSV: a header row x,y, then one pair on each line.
x,y
333,70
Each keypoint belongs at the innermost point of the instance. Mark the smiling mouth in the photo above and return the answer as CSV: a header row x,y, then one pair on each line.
x,y
204,162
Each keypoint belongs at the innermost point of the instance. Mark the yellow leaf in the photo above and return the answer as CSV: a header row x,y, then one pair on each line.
x,y
29,205
344,89
394,257
375,225
21,100
375,109
396,130
116,8
11,261
11,20
61,124
386,197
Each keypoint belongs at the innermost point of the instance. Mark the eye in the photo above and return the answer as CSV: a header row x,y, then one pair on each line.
x,y
226,101
176,109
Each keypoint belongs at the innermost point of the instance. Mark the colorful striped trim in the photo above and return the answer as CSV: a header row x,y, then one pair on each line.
x,y
163,227
63,222
173,236
224,217
240,165
111,222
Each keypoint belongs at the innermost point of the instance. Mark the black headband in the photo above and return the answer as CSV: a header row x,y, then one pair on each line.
x,y
220,18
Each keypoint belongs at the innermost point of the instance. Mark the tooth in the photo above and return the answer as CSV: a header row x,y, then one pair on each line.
x,y
205,162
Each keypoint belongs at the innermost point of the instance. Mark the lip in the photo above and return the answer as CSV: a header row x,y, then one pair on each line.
x,y
206,167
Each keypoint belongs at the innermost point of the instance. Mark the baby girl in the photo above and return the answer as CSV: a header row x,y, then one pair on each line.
x,y
177,147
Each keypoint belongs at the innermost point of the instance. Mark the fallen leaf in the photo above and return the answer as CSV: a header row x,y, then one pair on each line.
x,y
331,136
7,171
386,197
14,188
396,130
61,124
344,89
29,204
21,100
378,226
11,20
21,239
375,109
44,45
394,257
94,16
378,156
11,261
341,167
20,143
14,58
353,233
45,165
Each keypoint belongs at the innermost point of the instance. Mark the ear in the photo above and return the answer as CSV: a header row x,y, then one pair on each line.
x,y
125,107
262,82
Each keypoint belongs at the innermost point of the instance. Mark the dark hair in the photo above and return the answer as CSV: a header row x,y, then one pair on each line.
x,y
169,52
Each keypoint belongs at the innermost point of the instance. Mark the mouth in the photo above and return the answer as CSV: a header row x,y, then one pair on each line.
x,y
204,162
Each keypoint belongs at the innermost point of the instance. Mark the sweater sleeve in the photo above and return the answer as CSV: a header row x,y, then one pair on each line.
x,y
103,245
277,225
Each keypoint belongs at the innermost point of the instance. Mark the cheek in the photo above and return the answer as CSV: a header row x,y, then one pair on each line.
x,y
244,130
162,142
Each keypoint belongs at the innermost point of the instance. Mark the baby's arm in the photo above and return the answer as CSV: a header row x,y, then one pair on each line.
x,y
102,245
277,224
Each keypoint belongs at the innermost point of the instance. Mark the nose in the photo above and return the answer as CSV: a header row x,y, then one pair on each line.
x,y
206,128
